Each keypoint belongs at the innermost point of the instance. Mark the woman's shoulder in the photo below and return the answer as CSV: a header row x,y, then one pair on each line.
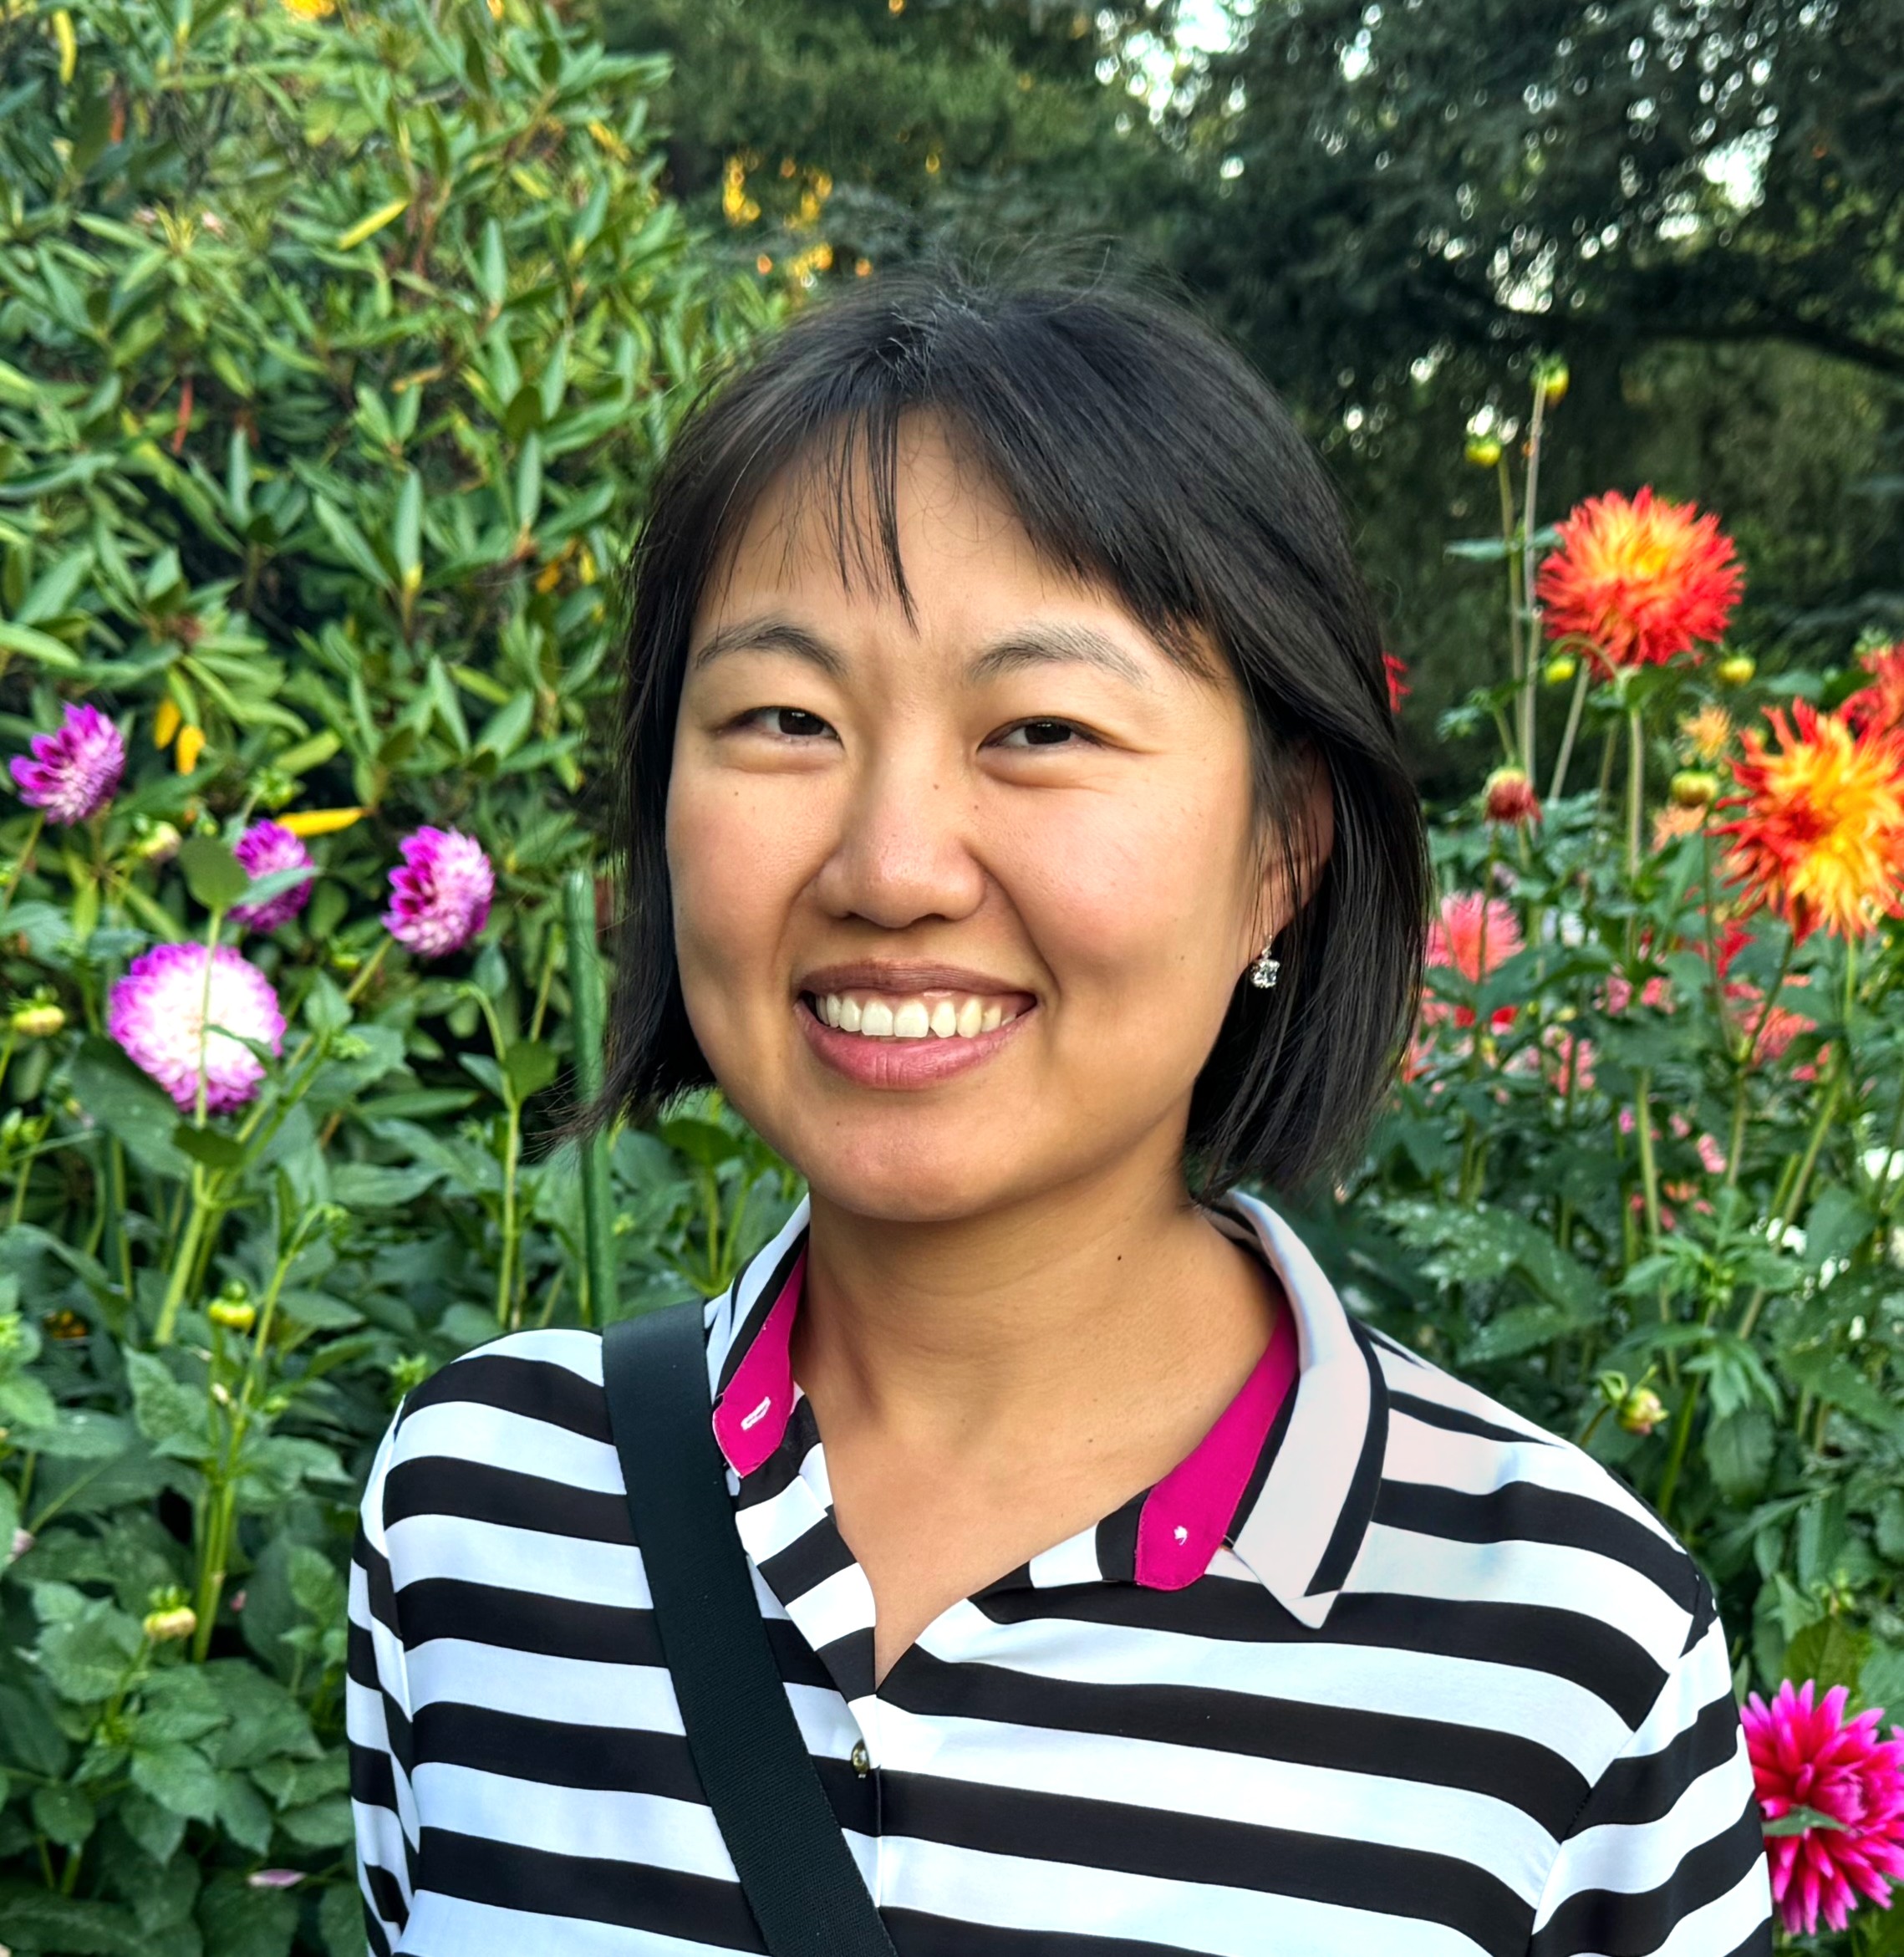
x,y
1471,1480
522,1402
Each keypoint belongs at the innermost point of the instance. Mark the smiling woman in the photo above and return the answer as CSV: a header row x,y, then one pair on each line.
x,y
1014,829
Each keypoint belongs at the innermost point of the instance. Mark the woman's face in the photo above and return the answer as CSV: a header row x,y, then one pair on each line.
x,y
960,902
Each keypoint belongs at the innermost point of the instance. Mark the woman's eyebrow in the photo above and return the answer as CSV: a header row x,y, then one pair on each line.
x,y
769,634
1056,645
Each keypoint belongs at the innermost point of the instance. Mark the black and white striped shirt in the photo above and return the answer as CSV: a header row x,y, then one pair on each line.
x,y
1440,1686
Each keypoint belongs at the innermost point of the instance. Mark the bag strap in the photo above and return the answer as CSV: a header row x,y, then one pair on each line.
x,y
796,1870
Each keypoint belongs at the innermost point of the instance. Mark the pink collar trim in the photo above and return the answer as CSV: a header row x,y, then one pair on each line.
x,y
1185,1517
750,1421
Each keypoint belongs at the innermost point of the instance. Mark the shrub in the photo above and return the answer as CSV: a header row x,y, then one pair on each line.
x,y
336,351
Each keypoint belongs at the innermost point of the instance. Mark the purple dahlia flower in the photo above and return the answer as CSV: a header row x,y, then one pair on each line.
x,y
265,848
167,1018
74,771
440,894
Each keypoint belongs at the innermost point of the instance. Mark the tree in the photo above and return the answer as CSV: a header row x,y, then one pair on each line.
x,y
865,131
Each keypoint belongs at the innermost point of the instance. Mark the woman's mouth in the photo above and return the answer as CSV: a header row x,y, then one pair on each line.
x,y
881,1038
913,1016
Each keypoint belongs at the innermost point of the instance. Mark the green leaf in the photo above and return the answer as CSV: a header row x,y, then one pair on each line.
x,y
1836,1224
63,1812
1829,1652
85,1655
42,1920
169,1415
530,1066
1738,1450
1798,1821
239,1921
178,1777
208,1145
32,644
212,874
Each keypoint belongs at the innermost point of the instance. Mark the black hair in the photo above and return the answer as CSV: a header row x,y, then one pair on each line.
x,y
1141,454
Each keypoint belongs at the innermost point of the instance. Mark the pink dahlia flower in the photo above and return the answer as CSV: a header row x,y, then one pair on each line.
x,y
440,894
1806,1754
170,1021
1473,935
265,848
74,771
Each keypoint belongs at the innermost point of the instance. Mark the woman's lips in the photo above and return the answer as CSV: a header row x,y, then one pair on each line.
x,y
884,1039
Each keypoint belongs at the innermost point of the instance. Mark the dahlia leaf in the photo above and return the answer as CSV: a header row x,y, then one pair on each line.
x,y
1800,1821
212,874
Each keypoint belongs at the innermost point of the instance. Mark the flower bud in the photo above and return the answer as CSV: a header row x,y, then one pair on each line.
x,y
39,1021
1640,1411
1509,797
159,843
1695,788
163,1626
1736,668
1561,668
1483,451
234,1314
1554,379
21,1542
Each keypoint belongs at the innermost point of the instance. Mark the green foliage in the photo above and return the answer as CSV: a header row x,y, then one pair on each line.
x,y
337,349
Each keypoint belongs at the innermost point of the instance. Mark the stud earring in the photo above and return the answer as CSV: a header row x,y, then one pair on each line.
x,y
1263,972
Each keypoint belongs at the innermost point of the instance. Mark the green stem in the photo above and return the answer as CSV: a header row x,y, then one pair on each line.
x,y
23,860
1649,1165
1794,1198
1581,682
1530,760
587,1017
511,1161
184,1258
1682,1436
1636,788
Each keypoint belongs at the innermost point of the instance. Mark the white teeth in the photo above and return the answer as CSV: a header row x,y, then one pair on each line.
x,y
888,1018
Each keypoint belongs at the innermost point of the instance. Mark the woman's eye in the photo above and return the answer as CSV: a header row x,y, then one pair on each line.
x,y
1043,734
791,723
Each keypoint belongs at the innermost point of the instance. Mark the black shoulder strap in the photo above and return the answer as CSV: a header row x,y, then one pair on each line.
x,y
796,1871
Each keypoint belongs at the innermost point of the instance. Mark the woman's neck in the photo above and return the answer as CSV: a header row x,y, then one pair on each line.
x,y
1056,1323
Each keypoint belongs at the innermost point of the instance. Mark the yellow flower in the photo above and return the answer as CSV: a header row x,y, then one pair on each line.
x,y
191,745
165,723
1708,732
234,1314
310,9
320,822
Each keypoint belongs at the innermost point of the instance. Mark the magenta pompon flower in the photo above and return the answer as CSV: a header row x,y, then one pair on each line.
x,y
265,848
167,1018
440,892
75,770
1805,1754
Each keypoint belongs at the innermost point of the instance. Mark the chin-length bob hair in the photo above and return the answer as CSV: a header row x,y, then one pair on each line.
x,y
1140,454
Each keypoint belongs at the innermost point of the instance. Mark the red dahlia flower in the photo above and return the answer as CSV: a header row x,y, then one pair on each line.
x,y
1641,581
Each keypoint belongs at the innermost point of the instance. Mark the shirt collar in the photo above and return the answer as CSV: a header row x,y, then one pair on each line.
x,y
1288,1478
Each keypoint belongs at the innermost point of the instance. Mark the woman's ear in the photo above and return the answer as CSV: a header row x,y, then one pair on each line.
x,y
1298,835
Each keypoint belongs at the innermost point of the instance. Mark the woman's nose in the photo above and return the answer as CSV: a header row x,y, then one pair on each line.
x,y
905,849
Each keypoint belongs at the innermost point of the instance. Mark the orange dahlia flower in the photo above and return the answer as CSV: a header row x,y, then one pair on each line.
x,y
1819,835
1641,581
